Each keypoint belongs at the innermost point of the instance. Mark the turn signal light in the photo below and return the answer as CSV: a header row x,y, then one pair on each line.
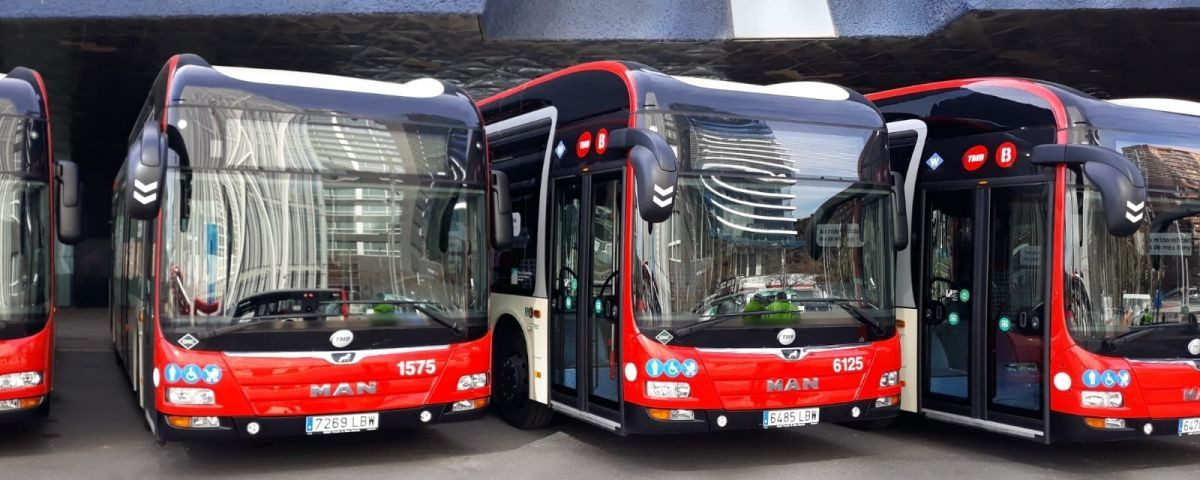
x,y
20,403
1104,423
464,405
666,414
178,421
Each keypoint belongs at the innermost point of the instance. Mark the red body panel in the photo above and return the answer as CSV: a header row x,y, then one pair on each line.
x,y
34,353
737,380
279,386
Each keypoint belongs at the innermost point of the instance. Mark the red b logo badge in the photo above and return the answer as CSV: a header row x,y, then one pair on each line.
x,y
1006,154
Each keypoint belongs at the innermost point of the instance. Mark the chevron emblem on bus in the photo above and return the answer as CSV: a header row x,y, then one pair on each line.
x,y
145,193
1135,212
665,199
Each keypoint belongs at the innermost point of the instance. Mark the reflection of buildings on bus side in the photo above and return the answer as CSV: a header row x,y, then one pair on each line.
x,y
319,212
1174,175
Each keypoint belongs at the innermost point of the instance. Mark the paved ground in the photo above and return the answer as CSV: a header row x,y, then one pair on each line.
x,y
95,432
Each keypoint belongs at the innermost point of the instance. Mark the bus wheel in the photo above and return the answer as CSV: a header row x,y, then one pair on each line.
x,y
510,392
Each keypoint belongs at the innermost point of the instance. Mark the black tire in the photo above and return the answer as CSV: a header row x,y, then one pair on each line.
x,y
871,425
510,391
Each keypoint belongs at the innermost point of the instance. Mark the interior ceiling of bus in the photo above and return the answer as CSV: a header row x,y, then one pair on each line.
x,y
99,70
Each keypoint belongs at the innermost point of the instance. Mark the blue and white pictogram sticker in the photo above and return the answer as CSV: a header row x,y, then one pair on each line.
x,y
934,161
690,368
173,373
654,368
673,368
212,374
1091,379
1123,378
1109,379
192,373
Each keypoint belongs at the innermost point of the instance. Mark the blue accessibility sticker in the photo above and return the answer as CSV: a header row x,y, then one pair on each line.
x,y
1109,379
654,368
1091,379
674,368
690,368
192,373
212,374
173,373
1123,378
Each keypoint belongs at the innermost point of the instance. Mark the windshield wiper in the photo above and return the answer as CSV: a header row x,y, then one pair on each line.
x,y
251,321
416,305
844,303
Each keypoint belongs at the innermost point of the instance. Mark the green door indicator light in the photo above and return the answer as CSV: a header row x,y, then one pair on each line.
x,y
598,306
569,304
964,295
1005,324
952,319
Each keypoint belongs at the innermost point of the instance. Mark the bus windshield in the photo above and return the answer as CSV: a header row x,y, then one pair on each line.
x,y
281,222
753,246
24,232
1138,297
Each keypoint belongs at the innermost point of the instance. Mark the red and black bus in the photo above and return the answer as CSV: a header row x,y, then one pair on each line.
x,y
691,254
1048,294
297,253
39,200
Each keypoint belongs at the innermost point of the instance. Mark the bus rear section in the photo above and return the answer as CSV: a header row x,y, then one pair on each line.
x,y
692,255
301,254
1048,292
35,192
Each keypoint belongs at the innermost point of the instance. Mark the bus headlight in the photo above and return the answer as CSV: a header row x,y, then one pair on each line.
x,y
472,381
668,389
191,396
889,379
20,380
1101,399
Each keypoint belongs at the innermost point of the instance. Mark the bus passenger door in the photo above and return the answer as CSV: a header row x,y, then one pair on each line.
x,y
585,285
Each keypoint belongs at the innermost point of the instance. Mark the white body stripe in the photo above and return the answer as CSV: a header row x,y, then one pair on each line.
x,y
419,88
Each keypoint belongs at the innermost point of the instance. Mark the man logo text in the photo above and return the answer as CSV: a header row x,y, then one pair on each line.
x,y
792,384
342,390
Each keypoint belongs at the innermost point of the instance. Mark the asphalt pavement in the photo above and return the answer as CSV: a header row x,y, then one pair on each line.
x,y
95,431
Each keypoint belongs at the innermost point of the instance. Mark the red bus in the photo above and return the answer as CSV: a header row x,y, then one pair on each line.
x,y
39,199
1050,295
297,253
690,254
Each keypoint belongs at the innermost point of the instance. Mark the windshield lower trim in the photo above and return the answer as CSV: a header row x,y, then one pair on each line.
x,y
779,351
328,355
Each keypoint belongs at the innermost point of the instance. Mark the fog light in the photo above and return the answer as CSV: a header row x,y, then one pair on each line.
x,y
472,381
1104,423
191,396
887,401
666,415
20,380
20,403
889,379
1101,399
464,405
668,390
1147,429
179,421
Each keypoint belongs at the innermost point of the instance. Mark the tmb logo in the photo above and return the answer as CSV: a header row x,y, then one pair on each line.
x,y
792,384
341,390
975,158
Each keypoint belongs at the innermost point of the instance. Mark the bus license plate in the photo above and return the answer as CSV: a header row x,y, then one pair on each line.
x,y
1189,426
356,422
791,418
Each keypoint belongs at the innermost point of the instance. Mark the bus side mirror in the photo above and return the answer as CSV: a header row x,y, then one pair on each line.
x,y
502,218
655,171
1121,184
145,173
70,205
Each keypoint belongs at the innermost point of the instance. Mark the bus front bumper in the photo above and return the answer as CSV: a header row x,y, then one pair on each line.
x,y
1075,428
266,427
23,409
639,421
